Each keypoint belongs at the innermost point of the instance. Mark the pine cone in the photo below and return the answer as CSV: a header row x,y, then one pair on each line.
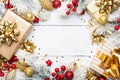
x,y
47,4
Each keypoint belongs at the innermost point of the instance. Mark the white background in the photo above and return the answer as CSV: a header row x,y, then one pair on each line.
x,y
59,36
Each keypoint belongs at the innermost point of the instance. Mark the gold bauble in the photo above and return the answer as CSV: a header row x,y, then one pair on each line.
x,y
29,16
28,71
103,18
21,65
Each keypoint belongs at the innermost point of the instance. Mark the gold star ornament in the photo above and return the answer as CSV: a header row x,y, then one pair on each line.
x,y
8,33
28,46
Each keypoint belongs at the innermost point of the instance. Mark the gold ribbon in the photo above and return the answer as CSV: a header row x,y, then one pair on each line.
x,y
106,6
111,65
28,46
8,33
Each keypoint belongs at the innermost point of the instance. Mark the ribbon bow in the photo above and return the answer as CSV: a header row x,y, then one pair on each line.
x,y
28,46
8,33
110,65
106,6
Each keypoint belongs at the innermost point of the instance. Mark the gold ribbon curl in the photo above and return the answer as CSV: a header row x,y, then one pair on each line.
x,y
106,6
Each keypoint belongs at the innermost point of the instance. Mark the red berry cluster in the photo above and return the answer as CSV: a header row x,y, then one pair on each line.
x,y
72,6
36,20
48,62
8,5
56,4
8,65
62,73
117,27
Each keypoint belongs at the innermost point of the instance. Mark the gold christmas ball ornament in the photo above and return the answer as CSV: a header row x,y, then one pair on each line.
x,y
29,16
28,71
103,18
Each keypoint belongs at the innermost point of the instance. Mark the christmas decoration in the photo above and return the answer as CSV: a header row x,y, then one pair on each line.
x,y
56,4
49,62
91,75
21,65
106,61
28,46
8,5
98,32
63,67
28,71
100,9
36,20
69,75
11,33
70,7
101,78
46,4
29,16
11,75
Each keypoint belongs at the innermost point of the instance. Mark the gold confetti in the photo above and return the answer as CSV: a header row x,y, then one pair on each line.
x,y
28,46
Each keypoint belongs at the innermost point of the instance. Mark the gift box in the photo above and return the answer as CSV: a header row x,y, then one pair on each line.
x,y
93,10
99,9
107,61
24,28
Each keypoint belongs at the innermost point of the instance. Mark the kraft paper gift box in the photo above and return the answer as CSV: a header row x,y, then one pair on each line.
x,y
22,25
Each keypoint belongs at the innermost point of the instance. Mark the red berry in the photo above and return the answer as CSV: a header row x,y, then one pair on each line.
x,y
47,79
68,12
82,13
2,74
101,78
10,61
13,66
118,20
76,5
49,62
63,68
58,77
53,74
69,75
69,5
15,59
56,70
74,9
62,76
116,27
6,66
74,2
56,4
10,6
36,20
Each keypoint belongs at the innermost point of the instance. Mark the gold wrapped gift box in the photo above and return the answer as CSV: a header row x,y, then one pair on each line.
x,y
107,61
23,26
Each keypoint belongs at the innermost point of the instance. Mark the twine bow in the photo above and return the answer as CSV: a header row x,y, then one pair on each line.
x,y
106,6
8,33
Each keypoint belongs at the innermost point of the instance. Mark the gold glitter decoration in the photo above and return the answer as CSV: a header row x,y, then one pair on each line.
x,y
8,33
97,38
28,46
